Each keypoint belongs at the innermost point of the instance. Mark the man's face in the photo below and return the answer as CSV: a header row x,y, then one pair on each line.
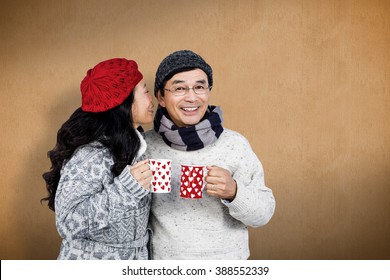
x,y
190,108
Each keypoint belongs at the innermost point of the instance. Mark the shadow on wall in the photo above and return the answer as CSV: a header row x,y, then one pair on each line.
x,y
36,235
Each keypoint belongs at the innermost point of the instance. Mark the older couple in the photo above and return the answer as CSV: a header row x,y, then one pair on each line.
x,y
99,183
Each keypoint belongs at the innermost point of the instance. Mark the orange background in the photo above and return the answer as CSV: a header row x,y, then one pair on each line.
x,y
307,82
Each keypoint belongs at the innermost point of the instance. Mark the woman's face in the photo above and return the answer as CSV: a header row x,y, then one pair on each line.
x,y
142,109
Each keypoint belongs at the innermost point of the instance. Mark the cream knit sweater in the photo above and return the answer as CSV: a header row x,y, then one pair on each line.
x,y
209,228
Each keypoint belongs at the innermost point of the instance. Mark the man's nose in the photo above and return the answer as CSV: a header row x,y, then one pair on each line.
x,y
190,94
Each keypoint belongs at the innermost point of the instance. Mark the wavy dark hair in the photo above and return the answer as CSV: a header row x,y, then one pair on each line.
x,y
113,128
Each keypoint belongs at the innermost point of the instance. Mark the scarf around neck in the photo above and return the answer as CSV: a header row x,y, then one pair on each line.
x,y
189,138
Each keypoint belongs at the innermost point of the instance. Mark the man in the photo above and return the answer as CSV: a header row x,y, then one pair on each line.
x,y
188,130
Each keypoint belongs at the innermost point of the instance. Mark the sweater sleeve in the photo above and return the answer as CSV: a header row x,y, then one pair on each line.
x,y
88,198
254,204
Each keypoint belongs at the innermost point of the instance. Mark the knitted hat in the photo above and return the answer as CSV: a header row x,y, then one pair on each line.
x,y
180,61
108,84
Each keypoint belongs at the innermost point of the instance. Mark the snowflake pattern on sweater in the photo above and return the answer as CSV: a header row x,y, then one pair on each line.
x,y
100,216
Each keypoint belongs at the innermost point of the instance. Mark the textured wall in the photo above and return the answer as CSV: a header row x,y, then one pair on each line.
x,y
307,82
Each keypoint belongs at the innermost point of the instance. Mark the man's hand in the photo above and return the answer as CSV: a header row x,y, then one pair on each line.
x,y
220,183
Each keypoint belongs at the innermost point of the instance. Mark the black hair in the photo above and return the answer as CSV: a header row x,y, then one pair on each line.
x,y
113,128
167,78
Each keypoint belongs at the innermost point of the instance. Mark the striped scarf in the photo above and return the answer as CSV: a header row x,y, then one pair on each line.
x,y
189,138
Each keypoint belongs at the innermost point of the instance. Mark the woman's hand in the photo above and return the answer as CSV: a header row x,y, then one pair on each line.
x,y
142,173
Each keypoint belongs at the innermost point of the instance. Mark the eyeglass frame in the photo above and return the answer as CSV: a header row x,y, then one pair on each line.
x,y
187,89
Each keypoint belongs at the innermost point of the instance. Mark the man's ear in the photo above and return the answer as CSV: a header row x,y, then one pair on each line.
x,y
161,99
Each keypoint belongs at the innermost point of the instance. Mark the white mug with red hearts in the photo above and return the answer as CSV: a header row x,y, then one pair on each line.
x,y
192,181
161,172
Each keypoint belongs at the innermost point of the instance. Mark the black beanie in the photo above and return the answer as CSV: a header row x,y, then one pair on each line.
x,y
180,61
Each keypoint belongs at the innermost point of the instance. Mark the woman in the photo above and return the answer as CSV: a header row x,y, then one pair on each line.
x,y
99,183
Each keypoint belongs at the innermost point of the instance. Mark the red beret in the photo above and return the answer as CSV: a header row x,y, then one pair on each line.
x,y
108,84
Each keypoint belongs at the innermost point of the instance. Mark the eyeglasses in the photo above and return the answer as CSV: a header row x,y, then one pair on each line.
x,y
178,90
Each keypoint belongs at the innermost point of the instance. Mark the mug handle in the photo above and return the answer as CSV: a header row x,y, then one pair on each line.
x,y
205,174
152,167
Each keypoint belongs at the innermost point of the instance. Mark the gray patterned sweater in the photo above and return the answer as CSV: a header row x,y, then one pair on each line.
x,y
209,228
99,216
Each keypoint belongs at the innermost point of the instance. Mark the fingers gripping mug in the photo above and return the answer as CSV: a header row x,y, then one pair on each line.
x,y
161,172
192,181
